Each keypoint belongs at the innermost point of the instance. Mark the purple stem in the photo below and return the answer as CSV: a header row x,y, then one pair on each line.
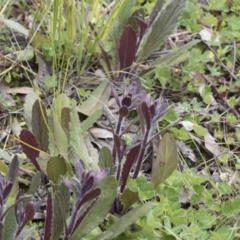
x,y
141,154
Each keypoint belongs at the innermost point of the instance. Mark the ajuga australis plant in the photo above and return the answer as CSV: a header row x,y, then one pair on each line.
x,y
149,112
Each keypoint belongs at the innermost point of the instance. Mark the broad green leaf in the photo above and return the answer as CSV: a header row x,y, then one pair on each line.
x,y
10,225
65,120
36,180
97,100
174,57
61,202
128,219
128,198
166,160
105,160
99,211
162,27
39,125
88,123
27,232
59,136
81,143
56,167
29,101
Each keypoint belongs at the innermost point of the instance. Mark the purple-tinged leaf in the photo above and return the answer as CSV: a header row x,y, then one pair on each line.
x,y
13,169
127,48
142,25
28,215
152,110
127,166
83,215
89,196
49,217
88,184
6,191
80,169
146,115
99,175
31,152
161,107
39,128
127,101
157,8
69,185
123,111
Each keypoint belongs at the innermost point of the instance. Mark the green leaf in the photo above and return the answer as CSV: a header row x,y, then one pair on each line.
x,y
26,232
128,198
105,160
128,219
10,225
56,167
99,211
65,119
97,100
59,136
161,28
81,143
28,105
39,127
88,123
61,202
174,57
3,167
166,160
36,180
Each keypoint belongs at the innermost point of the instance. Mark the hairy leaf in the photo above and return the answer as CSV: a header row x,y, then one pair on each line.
x,y
29,101
39,128
97,100
128,198
127,48
32,153
35,183
60,138
13,169
56,167
157,8
105,160
172,57
128,219
65,120
61,203
161,28
49,218
81,143
166,160
29,214
99,211
88,123
10,225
